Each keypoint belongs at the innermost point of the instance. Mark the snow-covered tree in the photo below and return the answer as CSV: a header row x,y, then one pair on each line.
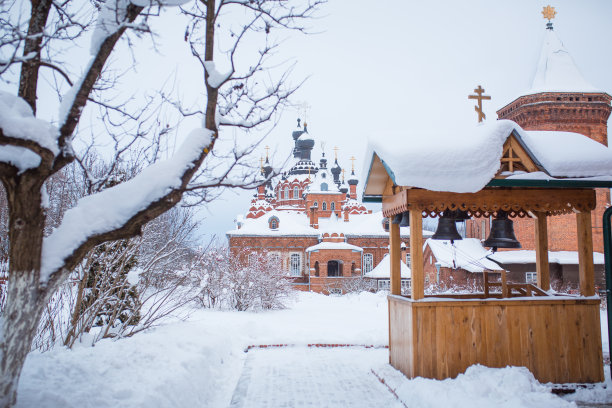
x,y
36,41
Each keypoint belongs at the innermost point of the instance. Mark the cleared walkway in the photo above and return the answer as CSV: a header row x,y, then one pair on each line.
x,y
313,377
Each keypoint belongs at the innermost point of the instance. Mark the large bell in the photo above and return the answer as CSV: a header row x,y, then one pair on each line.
x,y
397,218
502,233
447,229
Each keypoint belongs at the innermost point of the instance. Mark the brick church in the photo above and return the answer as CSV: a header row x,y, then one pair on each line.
x,y
312,221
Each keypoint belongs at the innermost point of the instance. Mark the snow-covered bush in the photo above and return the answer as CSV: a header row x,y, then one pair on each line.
x,y
226,280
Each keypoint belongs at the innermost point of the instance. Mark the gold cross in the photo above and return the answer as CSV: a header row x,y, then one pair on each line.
x,y
549,13
261,160
353,163
267,151
336,151
343,175
480,97
305,110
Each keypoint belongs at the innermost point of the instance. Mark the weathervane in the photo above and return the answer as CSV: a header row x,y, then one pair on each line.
x,y
549,13
480,97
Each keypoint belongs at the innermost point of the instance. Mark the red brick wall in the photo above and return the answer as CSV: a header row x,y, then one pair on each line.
x,y
337,199
346,257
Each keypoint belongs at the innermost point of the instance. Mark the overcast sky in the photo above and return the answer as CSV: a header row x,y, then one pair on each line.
x,y
377,68
381,67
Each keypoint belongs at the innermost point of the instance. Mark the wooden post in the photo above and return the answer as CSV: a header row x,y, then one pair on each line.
x,y
395,252
416,254
541,239
585,254
504,285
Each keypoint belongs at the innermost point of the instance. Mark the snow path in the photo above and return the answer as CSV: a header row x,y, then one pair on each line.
x,y
312,377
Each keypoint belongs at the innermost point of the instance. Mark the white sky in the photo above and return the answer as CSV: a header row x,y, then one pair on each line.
x,y
378,68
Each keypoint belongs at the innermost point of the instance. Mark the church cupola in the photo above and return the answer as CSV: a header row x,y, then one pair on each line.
x,y
560,99
323,161
296,134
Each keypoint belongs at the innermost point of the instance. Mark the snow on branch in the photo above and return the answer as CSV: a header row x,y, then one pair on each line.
x,y
18,126
111,209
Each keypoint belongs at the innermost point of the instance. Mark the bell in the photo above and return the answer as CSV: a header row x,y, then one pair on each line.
x,y
446,228
460,215
405,219
502,233
397,218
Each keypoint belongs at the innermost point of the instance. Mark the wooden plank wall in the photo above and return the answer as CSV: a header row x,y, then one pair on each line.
x,y
559,341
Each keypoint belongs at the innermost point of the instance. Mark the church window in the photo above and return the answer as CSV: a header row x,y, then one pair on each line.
x,y
296,192
315,204
252,258
295,265
273,222
323,186
280,194
332,206
286,193
324,206
408,260
385,224
368,262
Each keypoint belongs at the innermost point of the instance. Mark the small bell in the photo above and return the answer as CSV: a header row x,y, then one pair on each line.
x,y
502,233
405,219
447,230
397,218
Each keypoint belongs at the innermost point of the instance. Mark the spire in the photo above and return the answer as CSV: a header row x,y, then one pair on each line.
x,y
556,70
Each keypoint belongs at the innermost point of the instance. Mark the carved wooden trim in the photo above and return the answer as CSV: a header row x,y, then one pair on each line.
x,y
517,202
515,158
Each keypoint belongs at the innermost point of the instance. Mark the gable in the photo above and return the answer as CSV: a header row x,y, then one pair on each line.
x,y
516,157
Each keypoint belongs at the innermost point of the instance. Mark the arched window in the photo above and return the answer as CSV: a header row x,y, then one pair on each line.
x,y
273,223
315,204
286,193
323,186
385,224
332,206
296,192
295,265
324,206
368,262
280,194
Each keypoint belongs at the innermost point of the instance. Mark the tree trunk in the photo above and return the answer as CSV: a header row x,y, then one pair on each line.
x,y
25,298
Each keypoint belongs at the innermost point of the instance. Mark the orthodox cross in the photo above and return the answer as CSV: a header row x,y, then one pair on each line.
x,y
343,175
336,151
480,97
261,160
304,109
353,163
267,151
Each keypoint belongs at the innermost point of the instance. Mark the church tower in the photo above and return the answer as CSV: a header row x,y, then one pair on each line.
x,y
560,99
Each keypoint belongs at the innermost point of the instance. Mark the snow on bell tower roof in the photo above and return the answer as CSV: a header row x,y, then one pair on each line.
x,y
556,70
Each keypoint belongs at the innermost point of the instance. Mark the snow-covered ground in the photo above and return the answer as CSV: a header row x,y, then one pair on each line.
x,y
199,362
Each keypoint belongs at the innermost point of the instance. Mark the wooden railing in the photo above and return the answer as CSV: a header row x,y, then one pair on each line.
x,y
510,289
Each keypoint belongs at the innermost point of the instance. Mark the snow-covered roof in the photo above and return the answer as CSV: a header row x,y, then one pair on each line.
x,y
567,154
558,257
556,70
383,269
333,245
292,223
465,160
467,253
